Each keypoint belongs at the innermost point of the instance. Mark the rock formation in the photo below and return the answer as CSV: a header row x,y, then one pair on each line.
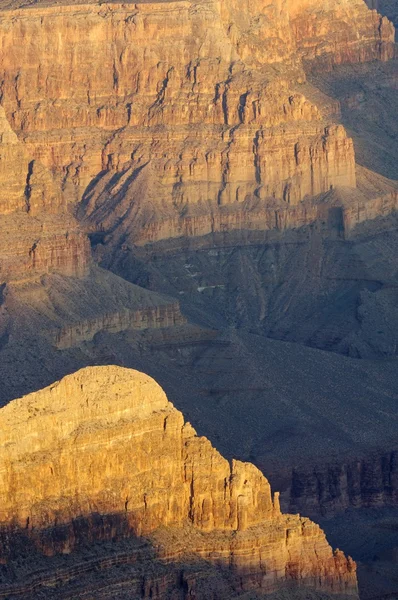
x,y
181,107
104,445
177,120
387,8
43,249
209,151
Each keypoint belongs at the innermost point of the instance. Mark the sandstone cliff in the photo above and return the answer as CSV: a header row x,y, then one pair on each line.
x,y
105,444
182,126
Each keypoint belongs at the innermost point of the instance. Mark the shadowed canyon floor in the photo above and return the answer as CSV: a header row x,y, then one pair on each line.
x,y
371,535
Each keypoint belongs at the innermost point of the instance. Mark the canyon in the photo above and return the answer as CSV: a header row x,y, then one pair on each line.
x,y
207,192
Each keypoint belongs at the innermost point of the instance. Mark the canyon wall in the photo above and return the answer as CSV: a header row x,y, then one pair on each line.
x,y
160,112
151,317
175,121
38,234
102,454
33,246
169,119
387,8
329,489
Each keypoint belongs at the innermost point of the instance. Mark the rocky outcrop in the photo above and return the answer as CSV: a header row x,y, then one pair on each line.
x,y
387,8
151,317
105,446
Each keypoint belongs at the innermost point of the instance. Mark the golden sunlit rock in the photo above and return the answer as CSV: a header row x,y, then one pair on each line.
x,y
106,441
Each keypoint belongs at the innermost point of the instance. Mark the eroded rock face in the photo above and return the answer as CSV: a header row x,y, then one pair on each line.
x,y
38,234
174,109
388,8
370,482
33,246
169,119
105,446
180,121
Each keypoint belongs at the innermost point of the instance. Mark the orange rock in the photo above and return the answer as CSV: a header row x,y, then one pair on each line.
x,y
106,441
162,114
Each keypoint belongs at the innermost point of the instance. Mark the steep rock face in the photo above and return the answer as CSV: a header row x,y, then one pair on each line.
x,y
199,94
361,483
41,238
27,186
246,183
34,246
273,32
388,8
260,398
38,235
89,91
329,283
118,448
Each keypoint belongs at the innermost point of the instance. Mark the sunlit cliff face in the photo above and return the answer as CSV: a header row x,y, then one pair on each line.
x,y
105,445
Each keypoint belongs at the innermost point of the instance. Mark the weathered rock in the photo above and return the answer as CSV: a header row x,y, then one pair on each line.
x,y
33,246
387,8
170,122
38,234
183,90
105,443
329,489
185,121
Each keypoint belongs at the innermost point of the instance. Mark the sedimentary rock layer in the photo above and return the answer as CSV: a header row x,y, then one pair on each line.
x,y
34,246
38,234
175,106
102,454
360,483
168,119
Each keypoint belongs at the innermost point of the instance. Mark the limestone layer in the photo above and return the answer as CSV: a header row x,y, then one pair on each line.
x,y
102,454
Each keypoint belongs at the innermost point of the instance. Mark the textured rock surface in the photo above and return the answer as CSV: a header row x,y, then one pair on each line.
x,y
105,446
188,146
38,234
167,136
34,246
262,398
200,142
388,8
318,284
182,104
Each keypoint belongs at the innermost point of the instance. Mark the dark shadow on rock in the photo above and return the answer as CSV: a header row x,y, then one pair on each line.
x,y
100,555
